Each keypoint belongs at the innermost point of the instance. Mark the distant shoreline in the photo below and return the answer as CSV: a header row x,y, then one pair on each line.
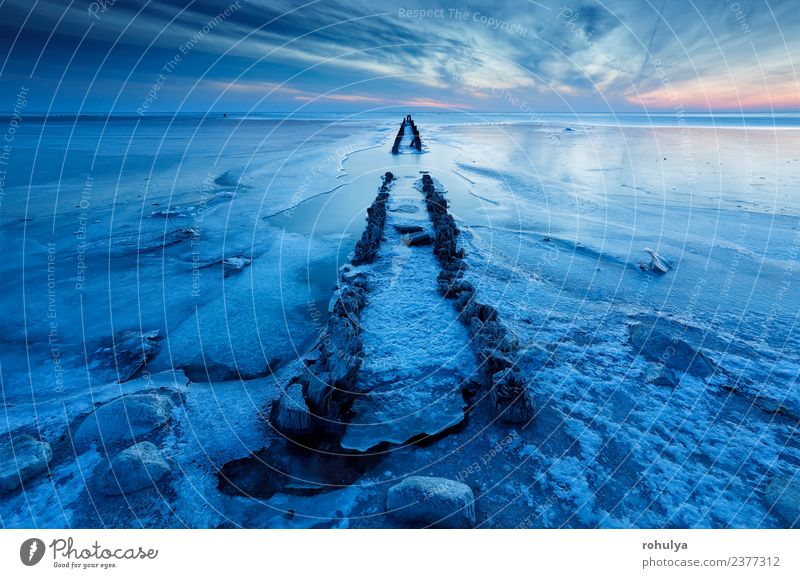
x,y
722,120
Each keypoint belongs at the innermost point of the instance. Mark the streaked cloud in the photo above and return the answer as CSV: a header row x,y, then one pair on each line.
x,y
274,54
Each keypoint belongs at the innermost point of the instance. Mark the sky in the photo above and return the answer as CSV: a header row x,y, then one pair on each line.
x,y
154,57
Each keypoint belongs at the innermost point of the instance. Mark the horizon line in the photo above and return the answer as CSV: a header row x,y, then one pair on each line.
x,y
471,112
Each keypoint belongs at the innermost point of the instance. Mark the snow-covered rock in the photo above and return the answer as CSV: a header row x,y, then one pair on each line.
x,y
511,397
123,420
21,460
783,498
290,414
138,467
439,502
658,263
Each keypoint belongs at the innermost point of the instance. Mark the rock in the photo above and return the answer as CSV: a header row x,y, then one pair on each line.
x,y
349,302
463,300
233,265
229,266
406,229
455,288
511,398
367,247
658,263
494,361
342,352
438,502
418,239
22,460
312,358
783,497
136,468
123,420
290,414
493,336
483,313
119,357
664,348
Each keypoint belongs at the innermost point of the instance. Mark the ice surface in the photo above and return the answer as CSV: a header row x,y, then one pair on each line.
x,y
555,225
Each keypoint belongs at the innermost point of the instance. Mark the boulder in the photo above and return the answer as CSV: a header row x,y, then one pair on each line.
x,y
22,460
438,502
669,349
290,414
511,399
136,468
483,313
453,289
492,335
493,360
349,302
464,299
123,420
783,497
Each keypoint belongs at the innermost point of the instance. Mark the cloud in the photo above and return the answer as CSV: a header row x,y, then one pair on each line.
x,y
612,53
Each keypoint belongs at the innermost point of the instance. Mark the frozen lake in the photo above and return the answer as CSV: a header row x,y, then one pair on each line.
x,y
222,237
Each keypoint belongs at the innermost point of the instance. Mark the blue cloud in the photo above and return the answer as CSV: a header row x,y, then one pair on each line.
x,y
341,55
